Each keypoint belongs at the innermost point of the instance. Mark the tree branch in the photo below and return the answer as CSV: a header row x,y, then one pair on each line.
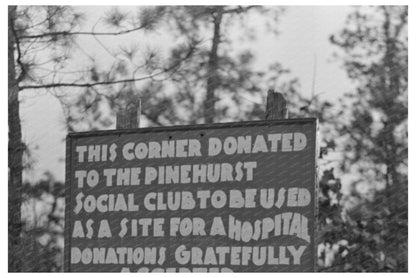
x,y
93,84
86,84
239,9
68,33
19,52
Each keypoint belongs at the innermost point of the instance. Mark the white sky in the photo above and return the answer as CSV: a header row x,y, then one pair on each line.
x,y
304,33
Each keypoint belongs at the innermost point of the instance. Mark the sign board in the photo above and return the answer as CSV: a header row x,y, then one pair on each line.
x,y
237,197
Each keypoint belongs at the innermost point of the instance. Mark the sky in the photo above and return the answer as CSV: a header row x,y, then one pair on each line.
x,y
302,45
304,33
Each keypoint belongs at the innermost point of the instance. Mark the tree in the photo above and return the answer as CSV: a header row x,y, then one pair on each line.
x,y
41,39
43,228
185,96
45,37
218,83
371,234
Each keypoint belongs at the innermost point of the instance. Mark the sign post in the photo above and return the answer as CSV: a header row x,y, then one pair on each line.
x,y
224,197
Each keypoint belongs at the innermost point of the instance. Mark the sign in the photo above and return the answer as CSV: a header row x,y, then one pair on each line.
x,y
237,197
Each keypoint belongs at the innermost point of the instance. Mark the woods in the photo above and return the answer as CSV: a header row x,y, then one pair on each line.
x,y
375,56
206,74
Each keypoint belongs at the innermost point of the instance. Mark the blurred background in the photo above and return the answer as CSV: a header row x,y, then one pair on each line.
x,y
71,68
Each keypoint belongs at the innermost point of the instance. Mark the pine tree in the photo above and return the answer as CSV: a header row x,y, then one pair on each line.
x,y
217,83
42,39
374,141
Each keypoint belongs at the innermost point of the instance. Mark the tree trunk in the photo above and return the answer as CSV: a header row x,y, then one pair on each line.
x,y
391,93
16,148
212,80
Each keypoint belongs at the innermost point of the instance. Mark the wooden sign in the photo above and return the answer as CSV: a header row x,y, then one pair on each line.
x,y
237,197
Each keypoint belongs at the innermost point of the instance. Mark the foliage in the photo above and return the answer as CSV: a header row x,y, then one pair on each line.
x,y
41,47
362,221
43,225
219,82
214,84
369,230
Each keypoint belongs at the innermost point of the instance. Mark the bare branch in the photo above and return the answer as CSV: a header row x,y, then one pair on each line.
x,y
102,45
68,33
93,84
240,9
87,84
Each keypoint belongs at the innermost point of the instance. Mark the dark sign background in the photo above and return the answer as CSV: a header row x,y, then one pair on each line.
x,y
274,170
